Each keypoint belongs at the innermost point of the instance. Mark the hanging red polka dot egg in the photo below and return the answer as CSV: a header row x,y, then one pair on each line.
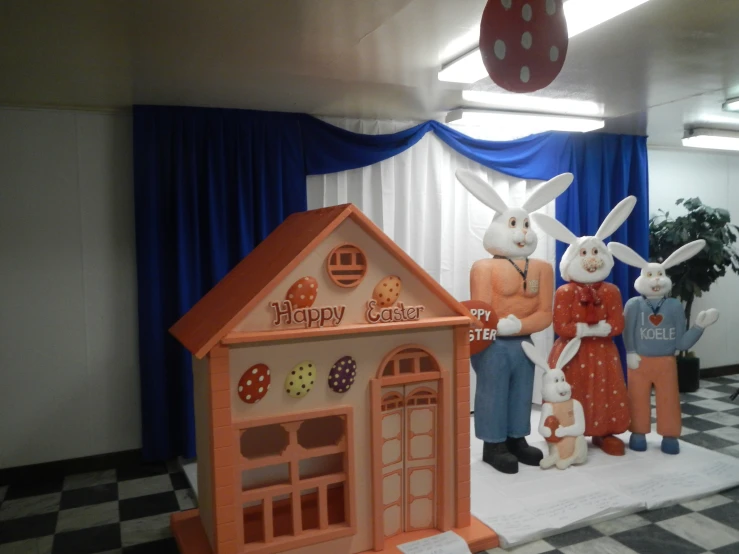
x,y
523,43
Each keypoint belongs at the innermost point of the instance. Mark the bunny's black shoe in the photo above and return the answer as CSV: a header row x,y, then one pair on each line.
x,y
529,455
496,454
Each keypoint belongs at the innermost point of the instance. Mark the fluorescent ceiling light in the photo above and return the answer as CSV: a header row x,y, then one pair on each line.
x,y
463,43
581,15
731,105
467,69
500,125
712,139
526,102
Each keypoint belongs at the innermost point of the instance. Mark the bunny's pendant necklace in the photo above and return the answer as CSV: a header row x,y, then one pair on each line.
x,y
523,273
655,318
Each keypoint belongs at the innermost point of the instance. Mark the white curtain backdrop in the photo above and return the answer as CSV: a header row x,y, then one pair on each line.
x,y
416,200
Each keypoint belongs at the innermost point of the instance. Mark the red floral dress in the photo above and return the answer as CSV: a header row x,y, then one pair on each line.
x,y
595,372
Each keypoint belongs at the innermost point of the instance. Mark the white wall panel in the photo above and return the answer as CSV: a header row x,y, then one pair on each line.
x,y
69,383
714,178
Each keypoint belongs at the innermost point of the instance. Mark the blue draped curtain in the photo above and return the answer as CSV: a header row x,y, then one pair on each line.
x,y
211,183
607,169
209,186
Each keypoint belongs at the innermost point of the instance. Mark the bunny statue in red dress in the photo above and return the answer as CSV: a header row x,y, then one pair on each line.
x,y
590,309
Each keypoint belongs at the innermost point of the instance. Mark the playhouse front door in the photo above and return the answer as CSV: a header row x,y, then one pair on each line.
x,y
409,457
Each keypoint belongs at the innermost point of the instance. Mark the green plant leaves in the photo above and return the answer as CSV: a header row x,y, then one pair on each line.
x,y
693,278
692,204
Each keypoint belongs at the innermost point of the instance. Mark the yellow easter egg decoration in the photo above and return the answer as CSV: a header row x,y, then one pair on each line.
x,y
300,379
387,291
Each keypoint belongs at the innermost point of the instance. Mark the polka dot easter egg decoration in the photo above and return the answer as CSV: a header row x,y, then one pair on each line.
x,y
342,374
300,379
523,43
303,292
387,291
254,384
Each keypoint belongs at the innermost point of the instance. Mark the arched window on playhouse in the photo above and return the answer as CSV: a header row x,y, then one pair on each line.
x,y
421,397
408,360
391,401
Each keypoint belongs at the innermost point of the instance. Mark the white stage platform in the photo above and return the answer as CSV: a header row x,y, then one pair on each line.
x,y
536,503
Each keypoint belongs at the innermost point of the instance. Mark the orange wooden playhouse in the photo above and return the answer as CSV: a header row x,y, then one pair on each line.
x,y
331,398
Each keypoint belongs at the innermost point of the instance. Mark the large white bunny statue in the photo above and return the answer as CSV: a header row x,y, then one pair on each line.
x,y
591,309
655,329
520,291
562,421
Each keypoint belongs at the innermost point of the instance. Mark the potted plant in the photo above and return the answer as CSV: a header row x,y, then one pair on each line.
x,y
691,280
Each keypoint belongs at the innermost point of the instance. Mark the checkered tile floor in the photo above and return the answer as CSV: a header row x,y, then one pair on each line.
x,y
126,509
704,526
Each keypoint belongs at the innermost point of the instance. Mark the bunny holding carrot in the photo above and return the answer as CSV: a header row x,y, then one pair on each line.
x,y
520,291
562,421
655,330
591,309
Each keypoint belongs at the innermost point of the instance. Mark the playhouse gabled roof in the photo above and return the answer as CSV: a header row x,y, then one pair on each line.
x,y
226,304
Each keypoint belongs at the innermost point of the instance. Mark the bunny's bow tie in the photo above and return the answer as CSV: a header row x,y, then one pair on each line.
x,y
589,297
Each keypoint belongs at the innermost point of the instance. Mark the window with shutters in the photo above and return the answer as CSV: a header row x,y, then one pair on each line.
x,y
296,479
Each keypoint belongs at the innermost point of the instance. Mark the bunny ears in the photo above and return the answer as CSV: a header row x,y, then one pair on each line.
x,y
610,224
568,352
682,254
544,194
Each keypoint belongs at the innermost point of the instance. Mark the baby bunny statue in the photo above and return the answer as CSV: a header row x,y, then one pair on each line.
x,y
520,291
655,329
562,421
591,309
